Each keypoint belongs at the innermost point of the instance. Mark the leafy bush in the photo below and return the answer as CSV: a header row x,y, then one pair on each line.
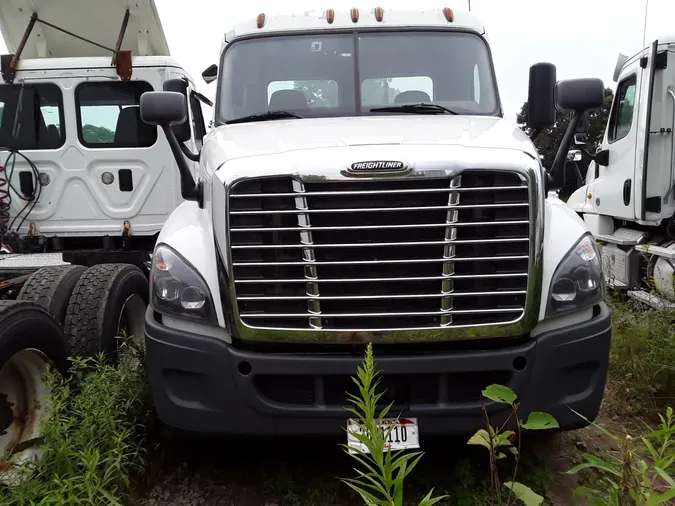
x,y
380,479
95,440
642,374
380,482
642,473
498,440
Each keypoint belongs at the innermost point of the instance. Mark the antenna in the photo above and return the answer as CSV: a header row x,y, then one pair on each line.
x,y
644,30
470,4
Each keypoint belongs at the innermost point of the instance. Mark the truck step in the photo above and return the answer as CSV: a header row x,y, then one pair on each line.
x,y
617,285
30,261
624,237
651,300
656,250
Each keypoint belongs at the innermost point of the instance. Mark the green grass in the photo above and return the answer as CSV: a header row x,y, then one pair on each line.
x,y
642,359
95,442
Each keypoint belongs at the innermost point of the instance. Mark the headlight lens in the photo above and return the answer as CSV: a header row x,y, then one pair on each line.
x,y
177,289
578,281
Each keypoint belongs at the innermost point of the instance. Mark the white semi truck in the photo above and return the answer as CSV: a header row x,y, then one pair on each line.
x,y
627,199
85,187
361,185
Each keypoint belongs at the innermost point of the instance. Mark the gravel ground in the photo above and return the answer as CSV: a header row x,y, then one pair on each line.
x,y
299,472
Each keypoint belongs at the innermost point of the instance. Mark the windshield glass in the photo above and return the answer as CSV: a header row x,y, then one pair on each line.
x,y
316,75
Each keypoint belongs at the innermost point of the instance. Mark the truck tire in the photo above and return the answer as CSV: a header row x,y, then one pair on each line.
x,y
107,300
51,288
31,343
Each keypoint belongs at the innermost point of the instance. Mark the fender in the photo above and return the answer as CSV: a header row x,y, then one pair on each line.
x,y
189,231
562,229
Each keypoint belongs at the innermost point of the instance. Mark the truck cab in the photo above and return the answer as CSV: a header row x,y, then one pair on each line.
x,y
81,170
361,185
85,188
627,199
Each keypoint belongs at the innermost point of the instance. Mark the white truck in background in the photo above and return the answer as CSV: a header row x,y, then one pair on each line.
x,y
361,185
628,199
85,187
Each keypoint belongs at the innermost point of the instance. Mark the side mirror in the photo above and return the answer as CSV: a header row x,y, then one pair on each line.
x,y
181,130
579,95
210,73
540,97
165,109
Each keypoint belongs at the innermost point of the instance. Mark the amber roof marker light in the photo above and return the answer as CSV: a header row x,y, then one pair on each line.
x,y
379,14
355,14
261,20
330,16
449,15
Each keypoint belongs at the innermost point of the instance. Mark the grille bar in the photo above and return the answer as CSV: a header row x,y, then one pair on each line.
x,y
387,296
381,280
375,192
369,254
369,262
378,209
312,287
380,227
447,242
402,314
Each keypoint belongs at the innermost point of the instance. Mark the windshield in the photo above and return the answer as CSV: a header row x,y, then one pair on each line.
x,y
314,75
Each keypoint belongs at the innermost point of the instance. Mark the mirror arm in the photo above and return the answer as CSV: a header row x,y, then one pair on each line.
x,y
558,167
535,133
189,154
188,189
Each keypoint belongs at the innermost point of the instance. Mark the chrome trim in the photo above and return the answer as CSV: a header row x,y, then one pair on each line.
x,y
379,209
447,242
375,227
372,192
368,262
530,173
384,280
444,294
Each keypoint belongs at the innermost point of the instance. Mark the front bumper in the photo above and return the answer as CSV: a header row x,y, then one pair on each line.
x,y
202,384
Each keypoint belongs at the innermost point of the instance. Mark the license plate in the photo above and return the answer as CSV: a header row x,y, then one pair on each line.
x,y
403,436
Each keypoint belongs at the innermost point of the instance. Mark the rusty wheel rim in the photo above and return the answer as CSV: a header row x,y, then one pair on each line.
x,y
23,406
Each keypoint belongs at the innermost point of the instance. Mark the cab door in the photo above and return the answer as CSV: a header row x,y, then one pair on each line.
x,y
612,192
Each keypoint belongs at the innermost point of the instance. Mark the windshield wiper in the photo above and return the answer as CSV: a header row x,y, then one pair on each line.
x,y
264,117
421,108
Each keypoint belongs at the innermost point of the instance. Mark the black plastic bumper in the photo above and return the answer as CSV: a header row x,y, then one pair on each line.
x,y
203,384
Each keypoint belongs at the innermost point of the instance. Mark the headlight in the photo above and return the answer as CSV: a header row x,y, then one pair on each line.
x,y
177,289
578,281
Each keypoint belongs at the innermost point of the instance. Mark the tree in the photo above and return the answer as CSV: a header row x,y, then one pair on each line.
x,y
97,134
548,141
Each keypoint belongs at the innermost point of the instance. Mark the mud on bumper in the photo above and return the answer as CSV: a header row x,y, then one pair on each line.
x,y
202,384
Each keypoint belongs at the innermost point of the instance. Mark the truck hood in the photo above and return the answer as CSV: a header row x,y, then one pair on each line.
x,y
280,136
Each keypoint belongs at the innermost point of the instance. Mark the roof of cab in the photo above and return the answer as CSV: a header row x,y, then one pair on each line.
x,y
342,19
97,20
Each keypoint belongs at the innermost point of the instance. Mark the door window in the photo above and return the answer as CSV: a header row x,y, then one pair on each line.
x,y
108,115
622,114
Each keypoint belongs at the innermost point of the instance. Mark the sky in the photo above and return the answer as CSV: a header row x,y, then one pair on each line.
x,y
583,38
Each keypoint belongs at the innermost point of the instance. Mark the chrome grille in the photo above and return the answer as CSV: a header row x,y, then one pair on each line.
x,y
415,253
